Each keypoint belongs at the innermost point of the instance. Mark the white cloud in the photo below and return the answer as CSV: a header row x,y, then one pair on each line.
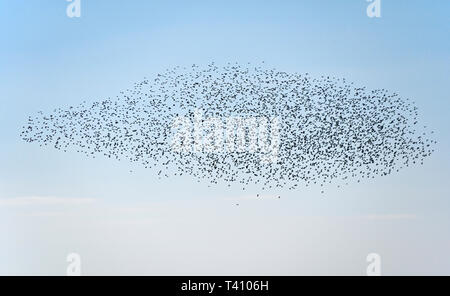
x,y
40,201
392,217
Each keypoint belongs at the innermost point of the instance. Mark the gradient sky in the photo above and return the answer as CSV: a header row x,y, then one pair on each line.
x,y
54,203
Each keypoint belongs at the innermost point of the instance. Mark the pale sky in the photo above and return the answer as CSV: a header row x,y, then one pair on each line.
x,y
54,203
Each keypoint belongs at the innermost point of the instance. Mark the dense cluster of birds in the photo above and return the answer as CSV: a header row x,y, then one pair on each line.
x,y
330,129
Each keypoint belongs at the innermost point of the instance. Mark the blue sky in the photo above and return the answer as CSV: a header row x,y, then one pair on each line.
x,y
48,60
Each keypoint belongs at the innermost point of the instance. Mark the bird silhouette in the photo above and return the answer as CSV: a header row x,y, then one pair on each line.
x,y
329,129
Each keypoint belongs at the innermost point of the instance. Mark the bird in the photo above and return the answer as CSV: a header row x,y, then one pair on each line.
x,y
325,130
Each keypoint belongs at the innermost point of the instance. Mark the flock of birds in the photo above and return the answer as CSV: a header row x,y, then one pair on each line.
x,y
330,129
